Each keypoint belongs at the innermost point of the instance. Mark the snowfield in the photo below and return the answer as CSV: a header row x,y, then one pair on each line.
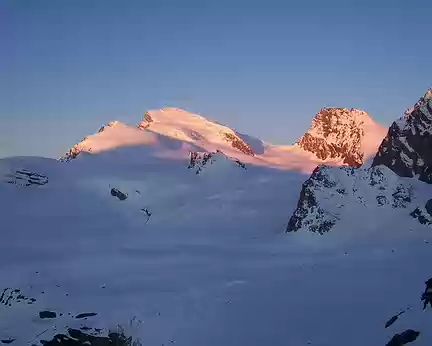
x,y
212,266
193,259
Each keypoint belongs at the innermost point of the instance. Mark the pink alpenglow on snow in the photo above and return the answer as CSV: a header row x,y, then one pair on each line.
x,y
337,137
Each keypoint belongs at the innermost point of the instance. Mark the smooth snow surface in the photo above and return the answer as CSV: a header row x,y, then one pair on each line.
x,y
374,135
212,266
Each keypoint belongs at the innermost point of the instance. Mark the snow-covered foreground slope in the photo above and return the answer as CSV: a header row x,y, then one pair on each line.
x,y
211,266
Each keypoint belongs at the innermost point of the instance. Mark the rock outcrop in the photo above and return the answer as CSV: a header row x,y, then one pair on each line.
x,y
24,177
340,133
239,144
145,123
199,160
423,214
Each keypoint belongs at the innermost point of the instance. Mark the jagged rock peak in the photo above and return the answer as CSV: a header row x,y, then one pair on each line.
x,y
340,133
406,149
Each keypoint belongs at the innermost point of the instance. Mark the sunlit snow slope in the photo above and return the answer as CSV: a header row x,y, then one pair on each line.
x,y
172,132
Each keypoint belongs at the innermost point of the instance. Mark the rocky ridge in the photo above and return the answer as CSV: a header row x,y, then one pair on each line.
x,y
329,190
406,149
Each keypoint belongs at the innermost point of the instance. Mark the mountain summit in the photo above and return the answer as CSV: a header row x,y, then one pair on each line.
x,y
192,128
337,137
350,135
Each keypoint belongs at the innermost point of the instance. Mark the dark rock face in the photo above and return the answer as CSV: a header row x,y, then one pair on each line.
x,y
407,148
336,133
308,205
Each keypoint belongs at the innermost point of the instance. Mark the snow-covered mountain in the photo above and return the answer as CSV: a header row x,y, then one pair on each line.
x,y
193,128
334,193
347,194
174,132
349,135
176,232
407,147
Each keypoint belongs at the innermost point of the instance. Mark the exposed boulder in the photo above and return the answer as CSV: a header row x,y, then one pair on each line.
x,y
47,314
117,193
404,338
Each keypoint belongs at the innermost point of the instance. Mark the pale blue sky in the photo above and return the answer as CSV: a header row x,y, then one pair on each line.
x,y
262,67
